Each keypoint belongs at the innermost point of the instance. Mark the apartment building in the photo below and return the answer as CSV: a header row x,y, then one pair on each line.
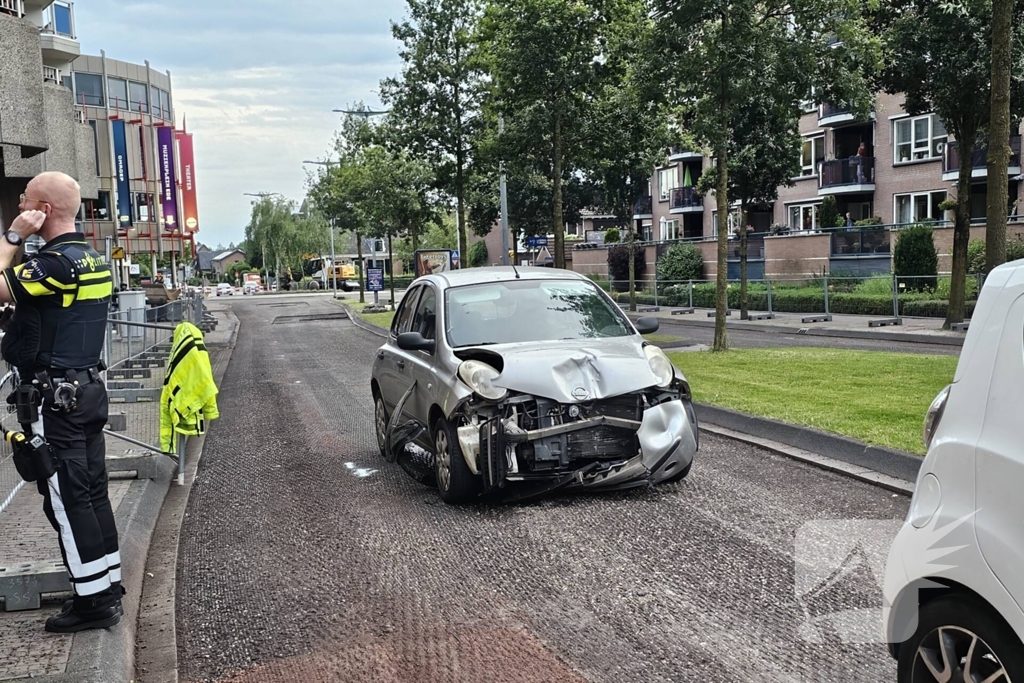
x,y
40,127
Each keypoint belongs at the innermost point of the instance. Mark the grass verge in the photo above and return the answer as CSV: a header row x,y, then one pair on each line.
x,y
877,397
378,319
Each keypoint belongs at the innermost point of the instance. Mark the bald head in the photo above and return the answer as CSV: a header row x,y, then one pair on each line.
x,y
64,196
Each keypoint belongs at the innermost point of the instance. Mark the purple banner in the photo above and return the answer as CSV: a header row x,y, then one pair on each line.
x,y
168,178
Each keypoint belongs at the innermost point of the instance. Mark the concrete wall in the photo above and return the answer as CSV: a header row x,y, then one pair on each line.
x,y
21,89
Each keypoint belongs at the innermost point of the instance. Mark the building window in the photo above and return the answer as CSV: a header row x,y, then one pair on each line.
x,y
138,93
812,154
572,229
117,91
914,208
918,138
66,82
647,232
89,89
804,217
161,103
670,229
144,207
734,220
668,180
62,20
97,209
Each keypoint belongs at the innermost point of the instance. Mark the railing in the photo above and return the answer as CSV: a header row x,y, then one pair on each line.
x,y
677,151
13,7
828,110
80,115
51,74
755,247
951,155
860,241
856,170
685,197
644,206
60,20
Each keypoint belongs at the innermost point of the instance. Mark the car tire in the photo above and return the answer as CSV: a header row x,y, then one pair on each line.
x,y
380,421
455,482
960,619
680,475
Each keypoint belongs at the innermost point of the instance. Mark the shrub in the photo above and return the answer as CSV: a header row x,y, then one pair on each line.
x,y
914,257
828,214
682,262
612,236
942,288
874,220
1015,249
618,266
976,256
478,254
876,286
932,308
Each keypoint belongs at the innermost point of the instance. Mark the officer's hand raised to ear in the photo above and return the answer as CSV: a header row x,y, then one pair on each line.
x,y
29,223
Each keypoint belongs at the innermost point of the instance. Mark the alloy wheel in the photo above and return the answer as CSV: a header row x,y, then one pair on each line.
x,y
443,460
381,421
951,654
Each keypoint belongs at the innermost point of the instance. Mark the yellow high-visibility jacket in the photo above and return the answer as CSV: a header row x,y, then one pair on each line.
x,y
189,398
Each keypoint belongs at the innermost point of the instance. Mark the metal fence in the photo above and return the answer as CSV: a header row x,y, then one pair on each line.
x,y
138,343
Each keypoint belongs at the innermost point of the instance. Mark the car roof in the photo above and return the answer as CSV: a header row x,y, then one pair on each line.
x,y
473,276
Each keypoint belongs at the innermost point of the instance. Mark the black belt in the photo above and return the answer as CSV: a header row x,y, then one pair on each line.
x,y
48,377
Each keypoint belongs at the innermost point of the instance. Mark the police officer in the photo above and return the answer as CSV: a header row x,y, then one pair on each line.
x,y
62,296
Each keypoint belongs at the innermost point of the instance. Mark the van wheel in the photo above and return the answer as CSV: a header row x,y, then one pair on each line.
x,y
455,482
960,638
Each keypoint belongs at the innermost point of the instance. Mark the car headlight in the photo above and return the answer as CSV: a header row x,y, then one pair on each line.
x,y
480,377
934,414
661,366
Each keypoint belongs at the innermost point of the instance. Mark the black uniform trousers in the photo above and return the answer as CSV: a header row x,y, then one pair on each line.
x,y
75,498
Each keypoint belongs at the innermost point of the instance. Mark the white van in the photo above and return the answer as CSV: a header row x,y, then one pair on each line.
x,y
954,581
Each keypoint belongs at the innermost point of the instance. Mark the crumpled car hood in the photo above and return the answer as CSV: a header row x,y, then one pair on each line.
x,y
575,371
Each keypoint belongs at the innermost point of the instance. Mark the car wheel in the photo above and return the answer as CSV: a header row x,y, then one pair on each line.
x,y
455,482
961,639
380,421
680,475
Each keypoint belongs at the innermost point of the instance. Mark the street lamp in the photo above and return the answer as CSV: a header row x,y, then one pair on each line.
x,y
365,113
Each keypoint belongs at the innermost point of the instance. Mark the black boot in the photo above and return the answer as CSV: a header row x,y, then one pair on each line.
x,y
72,622
69,604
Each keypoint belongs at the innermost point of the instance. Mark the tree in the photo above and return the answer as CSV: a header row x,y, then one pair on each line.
x,y
940,55
721,53
999,137
544,57
681,263
914,257
478,254
435,102
612,236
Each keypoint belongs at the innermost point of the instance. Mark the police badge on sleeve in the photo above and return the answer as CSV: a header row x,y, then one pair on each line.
x,y
31,271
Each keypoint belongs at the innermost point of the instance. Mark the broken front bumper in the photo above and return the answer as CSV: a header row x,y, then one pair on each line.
x,y
667,436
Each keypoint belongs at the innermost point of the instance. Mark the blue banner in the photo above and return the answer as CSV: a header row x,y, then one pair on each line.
x,y
124,192
375,279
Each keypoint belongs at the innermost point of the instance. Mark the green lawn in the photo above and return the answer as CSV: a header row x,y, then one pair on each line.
x,y
880,398
660,338
379,319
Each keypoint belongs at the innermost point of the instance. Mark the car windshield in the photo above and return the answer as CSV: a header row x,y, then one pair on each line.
x,y
528,311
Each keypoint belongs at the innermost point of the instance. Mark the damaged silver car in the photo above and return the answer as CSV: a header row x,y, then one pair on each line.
x,y
516,382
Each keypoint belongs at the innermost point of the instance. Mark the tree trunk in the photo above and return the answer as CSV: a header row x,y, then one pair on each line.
x,y
414,239
999,136
391,270
632,268
961,232
362,268
556,186
460,201
722,194
743,261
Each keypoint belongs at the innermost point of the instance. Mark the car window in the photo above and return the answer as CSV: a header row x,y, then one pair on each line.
x,y
405,311
426,314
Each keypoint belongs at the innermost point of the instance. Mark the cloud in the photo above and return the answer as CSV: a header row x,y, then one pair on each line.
x,y
256,80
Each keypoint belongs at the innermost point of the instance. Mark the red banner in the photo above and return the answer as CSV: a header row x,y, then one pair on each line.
x,y
189,204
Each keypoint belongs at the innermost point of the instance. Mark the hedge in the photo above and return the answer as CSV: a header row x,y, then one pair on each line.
x,y
933,308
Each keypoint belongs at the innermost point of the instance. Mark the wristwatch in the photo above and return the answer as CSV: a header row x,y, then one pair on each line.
x,y
13,237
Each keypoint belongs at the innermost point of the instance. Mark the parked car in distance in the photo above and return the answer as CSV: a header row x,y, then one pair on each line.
x,y
521,382
954,583
251,288
224,289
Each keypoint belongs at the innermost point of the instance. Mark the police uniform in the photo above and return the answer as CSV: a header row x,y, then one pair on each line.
x,y
55,340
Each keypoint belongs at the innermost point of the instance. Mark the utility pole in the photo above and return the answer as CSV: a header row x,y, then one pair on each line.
x,y
334,277
504,202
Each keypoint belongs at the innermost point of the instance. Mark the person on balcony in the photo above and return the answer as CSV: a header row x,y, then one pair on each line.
x,y
862,153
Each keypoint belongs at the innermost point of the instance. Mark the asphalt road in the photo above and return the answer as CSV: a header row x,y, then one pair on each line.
x,y
305,557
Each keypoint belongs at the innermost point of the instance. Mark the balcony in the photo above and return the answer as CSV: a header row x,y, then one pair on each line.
x,y
51,75
847,176
57,38
680,153
644,208
835,115
685,200
979,161
14,8
860,241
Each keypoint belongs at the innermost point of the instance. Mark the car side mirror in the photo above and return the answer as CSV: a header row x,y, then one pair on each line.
x,y
647,325
414,341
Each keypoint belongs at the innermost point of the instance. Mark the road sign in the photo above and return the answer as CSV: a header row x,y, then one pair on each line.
x,y
117,253
375,279
536,241
134,269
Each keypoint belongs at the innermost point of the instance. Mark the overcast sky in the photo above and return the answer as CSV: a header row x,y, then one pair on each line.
x,y
256,79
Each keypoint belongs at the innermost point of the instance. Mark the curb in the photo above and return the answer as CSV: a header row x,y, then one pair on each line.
x,y
108,655
869,459
230,343
908,337
360,323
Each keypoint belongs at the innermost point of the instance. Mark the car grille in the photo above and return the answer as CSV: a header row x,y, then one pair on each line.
x,y
602,443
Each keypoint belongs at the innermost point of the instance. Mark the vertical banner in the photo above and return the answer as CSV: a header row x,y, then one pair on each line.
x,y
189,204
124,191
168,183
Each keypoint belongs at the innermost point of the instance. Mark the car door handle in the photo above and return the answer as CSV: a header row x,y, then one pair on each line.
x,y
401,365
